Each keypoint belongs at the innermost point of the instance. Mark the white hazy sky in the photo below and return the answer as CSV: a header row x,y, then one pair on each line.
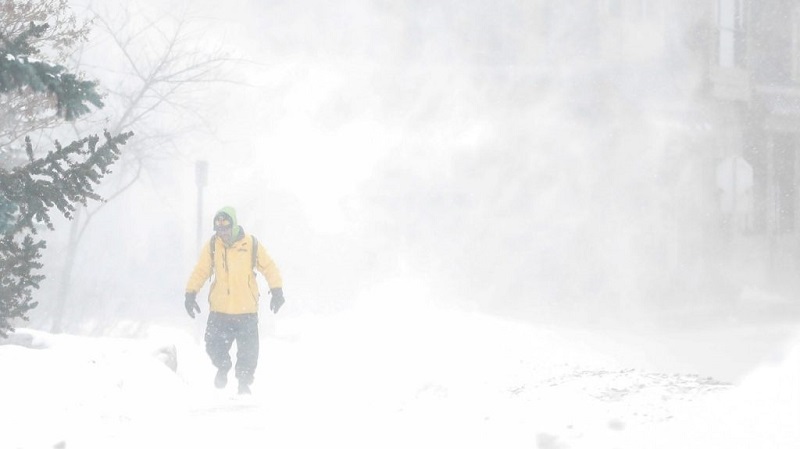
x,y
360,141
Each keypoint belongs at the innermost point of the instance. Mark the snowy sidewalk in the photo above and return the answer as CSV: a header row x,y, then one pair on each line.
x,y
428,381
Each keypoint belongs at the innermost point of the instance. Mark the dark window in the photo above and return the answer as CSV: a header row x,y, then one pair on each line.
x,y
615,7
785,154
642,8
731,39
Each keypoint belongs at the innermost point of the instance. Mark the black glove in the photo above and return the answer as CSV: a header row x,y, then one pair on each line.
x,y
277,299
191,304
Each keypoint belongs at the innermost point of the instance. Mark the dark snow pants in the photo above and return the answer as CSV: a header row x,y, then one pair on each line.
x,y
222,330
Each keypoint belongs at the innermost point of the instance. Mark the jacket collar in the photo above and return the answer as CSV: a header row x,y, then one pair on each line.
x,y
239,236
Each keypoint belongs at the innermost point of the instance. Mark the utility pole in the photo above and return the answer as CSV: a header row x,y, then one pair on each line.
x,y
201,178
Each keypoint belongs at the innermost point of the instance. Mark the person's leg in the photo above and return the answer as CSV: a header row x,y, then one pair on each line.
x,y
247,349
220,333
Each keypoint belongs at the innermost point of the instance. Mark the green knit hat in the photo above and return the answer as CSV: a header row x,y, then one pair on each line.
x,y
229,213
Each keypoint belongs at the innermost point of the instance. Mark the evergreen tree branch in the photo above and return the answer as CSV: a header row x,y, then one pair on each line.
x,y
19,69
62,179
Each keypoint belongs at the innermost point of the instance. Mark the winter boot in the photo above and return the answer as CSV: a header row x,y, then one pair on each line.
x,y
221,378
244,387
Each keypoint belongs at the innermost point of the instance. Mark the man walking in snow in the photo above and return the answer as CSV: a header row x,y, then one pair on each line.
x,y
232,257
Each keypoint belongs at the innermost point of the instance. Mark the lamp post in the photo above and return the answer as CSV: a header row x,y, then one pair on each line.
x,y
201,178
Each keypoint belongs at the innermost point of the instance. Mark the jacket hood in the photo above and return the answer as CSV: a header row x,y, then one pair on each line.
x,y
231,212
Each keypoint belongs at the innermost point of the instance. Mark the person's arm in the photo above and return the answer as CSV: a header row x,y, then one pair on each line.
x,y
266,266
201,272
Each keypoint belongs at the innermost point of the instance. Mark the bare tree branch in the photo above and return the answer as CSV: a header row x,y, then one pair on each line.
x,y
164,71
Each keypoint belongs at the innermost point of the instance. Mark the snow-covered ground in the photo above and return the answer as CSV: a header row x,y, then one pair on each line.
x,y
400,377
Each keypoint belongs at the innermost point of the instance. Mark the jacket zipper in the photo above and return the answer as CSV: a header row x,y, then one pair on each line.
x,y
225,264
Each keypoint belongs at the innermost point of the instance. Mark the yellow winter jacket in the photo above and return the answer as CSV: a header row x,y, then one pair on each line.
x,y
234,289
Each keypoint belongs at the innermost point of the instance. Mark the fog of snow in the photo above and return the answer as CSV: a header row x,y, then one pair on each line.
x,y
474,253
